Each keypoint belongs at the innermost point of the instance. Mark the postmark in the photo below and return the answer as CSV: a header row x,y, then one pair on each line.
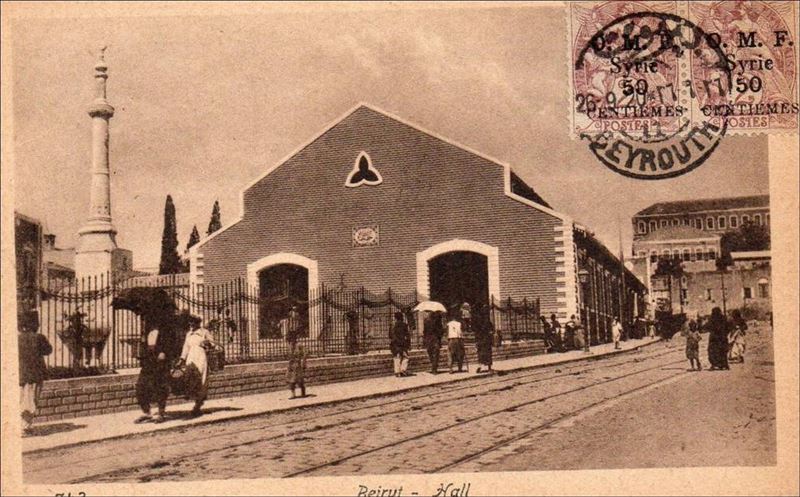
x,y
653,92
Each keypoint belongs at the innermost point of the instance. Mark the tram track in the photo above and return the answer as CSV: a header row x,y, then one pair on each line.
x,y
462,422
227,439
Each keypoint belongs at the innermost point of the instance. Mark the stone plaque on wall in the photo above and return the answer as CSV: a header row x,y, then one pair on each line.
x,y
366,236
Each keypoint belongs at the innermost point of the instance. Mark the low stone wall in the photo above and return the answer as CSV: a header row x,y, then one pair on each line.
x,y
76,397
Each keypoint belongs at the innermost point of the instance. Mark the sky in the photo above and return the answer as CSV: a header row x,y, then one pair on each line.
x,y
206,103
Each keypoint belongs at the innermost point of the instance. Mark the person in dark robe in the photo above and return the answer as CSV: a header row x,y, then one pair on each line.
x,y
717,327
352,332
400,344
432,331
154,376
33,346
484,333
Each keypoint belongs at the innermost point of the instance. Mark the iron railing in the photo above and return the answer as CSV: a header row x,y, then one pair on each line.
x,y
90,337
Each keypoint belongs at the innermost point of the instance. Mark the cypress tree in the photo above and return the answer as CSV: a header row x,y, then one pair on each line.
x,y
170,260
215,222
193,238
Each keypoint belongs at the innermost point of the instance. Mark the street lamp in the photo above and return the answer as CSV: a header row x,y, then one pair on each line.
x,y
583,278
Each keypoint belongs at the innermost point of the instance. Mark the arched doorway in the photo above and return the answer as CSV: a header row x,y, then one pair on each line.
x,y
282,280
458,271
280,288
458,277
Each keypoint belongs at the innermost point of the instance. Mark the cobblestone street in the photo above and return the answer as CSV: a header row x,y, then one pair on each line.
x,y
587,414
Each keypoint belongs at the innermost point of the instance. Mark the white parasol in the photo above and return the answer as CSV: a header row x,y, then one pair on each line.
x,y
431,306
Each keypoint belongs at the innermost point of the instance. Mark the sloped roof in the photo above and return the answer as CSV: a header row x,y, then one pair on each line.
x,y
709,204
676,233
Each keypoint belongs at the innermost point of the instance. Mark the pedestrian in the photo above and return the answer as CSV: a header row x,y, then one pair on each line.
x,y
717,326
466,316
483,342
154,375
352,331
572,333
223,324
432,332
33,347
294,325
547,330
616,333
455,344
736,338
399,344
194,357
557,331
693,346
296,369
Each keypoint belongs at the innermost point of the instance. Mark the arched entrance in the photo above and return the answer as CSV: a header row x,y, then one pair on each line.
x,y
280,288
458,271
458,277
283,281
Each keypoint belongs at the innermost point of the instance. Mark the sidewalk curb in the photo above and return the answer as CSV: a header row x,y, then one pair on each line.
x,y
238,417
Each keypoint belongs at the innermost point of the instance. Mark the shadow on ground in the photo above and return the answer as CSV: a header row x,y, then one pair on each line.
x,y
187,413
52,429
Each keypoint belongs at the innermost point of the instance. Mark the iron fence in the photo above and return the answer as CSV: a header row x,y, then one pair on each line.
x,y
90,337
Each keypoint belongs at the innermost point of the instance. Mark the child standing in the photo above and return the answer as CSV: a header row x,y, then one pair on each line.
x,y
693,346
297,369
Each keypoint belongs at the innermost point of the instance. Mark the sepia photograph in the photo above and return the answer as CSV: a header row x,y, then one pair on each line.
x,y
389,249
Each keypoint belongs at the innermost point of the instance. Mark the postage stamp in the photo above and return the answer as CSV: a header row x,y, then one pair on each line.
x,y
668,74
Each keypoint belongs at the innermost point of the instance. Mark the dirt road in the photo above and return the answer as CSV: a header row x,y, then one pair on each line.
x,y
639,409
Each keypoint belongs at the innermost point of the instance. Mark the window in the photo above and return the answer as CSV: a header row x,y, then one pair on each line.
x,y
763,288
699,223
709,294
666,253
363,173
710,223
642,227
676,222
653,226
712,254
745,219
748,292
664,223
698,254
676,254
653,256
757,219
687,255
721,222
766,217
734,221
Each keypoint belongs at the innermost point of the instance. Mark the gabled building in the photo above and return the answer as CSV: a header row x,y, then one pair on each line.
x,y
378,202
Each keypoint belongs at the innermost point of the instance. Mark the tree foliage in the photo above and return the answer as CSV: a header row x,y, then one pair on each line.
x,y
748,237
170,260
668,266
193,238
215,223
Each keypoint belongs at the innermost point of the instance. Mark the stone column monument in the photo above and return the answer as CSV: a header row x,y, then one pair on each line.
x,y
97,242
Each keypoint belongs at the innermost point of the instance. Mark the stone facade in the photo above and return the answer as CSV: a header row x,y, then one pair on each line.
x,y
712,216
